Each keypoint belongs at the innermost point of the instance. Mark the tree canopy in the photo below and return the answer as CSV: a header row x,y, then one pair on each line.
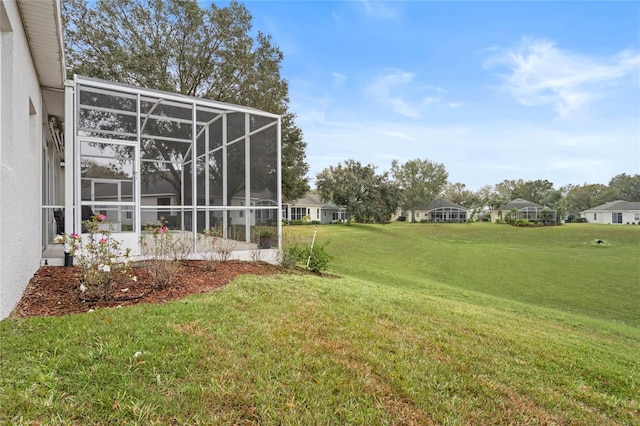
x,y
535,191
366,196
626,187
179,46
420,181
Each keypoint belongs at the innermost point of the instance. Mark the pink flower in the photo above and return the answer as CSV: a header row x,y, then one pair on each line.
x,y
100,217
74,235
104,241
165,228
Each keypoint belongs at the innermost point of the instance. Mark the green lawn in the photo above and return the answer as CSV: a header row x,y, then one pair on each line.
x,y
554,267
428,324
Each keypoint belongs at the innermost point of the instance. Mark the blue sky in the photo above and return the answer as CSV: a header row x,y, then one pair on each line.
x,y
493,90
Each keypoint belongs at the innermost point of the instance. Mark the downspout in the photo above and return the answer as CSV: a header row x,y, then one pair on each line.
x,y
70,166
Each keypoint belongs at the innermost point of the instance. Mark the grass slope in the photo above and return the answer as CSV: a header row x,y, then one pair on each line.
x,y
385,347
554,267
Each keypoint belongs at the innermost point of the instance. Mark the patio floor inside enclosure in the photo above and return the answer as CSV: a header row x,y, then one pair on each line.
x,y
143,157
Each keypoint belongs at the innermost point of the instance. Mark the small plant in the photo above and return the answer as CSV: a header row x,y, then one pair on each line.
x,y
511,216
319,259
165,252
216,248
291,254
265,236
100,257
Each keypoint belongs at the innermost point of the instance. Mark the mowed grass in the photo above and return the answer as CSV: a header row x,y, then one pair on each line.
x,y
553,267
409,345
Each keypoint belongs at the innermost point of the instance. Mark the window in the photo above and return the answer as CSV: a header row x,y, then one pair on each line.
x,y
297,213
340,215
637,217
616,217
595,216
317,213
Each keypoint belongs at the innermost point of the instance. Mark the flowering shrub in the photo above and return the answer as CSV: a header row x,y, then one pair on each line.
x,y
99,257
165,250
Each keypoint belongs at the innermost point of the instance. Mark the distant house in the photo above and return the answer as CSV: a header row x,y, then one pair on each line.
x,y
524,210
440,210
315,209
616,212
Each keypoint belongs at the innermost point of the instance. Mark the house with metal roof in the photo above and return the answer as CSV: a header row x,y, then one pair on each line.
x,y
614,212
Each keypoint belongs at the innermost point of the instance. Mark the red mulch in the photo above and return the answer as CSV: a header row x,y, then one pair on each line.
x,y
55,290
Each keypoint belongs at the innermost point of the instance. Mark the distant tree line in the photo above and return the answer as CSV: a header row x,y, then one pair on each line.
x,y
369,196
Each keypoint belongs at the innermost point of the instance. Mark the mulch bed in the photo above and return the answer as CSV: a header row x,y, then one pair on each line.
x,y
55,290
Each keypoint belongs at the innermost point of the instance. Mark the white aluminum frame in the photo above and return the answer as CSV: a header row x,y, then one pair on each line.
x,y
73,140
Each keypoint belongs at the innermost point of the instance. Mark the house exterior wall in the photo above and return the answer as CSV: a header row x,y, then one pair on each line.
x,y
21,148
315,212
606,216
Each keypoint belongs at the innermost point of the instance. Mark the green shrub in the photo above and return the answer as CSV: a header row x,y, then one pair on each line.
x,y
511,216
319,260
291,254
522,222
303,222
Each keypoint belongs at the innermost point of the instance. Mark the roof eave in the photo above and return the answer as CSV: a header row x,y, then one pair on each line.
x,y
42,22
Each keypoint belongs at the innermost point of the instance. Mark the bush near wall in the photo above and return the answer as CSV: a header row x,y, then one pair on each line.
x,y
302,222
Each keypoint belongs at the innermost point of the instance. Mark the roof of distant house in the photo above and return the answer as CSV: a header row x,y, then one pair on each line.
x,y
617,205
520,204
311,199
439,203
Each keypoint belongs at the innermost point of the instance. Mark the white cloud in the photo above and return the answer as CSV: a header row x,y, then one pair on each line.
x,y
398,90
436,88
338,78
541,73
378,9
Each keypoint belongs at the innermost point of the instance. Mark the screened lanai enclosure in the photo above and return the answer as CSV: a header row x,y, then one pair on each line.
x,y
523,209
442,210
143,157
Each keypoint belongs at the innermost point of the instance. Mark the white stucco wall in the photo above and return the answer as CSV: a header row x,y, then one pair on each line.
x,y
604,216
21,134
